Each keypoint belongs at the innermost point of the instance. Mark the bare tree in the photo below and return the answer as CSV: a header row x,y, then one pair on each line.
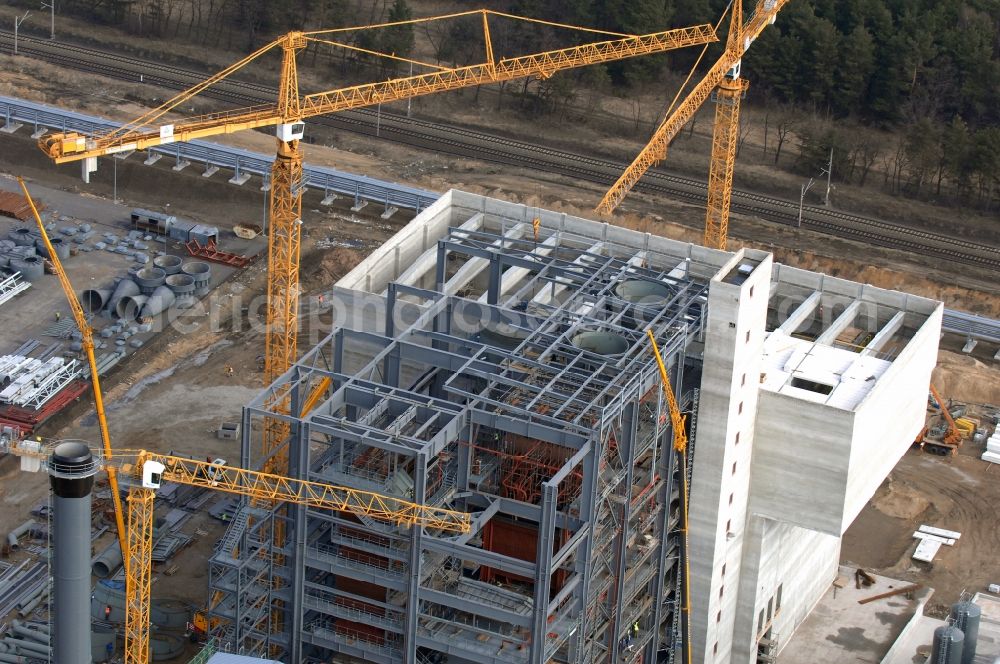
x,y
744,132
783,127
766,128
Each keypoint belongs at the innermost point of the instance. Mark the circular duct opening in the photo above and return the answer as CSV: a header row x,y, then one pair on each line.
x,y
169,264
502,335
640,291
150,274
197,269
94,300
128,307
102,569
601,343
181,282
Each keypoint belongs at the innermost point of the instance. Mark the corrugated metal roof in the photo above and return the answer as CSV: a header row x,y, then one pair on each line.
x,y
226,658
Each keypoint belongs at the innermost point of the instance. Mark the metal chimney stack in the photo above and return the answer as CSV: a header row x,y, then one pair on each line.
x,y
71,474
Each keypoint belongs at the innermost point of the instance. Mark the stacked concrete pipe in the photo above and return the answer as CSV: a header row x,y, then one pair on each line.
x,y
149,279
201,272
182,286
125,287
169,264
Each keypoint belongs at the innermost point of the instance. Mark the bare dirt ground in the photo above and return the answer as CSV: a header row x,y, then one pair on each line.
x,y
956,493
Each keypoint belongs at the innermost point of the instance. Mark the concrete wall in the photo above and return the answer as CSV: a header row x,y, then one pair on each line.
x,y
724,440
814,468
853,289
891,416
802,454
662,252
822,480
801,563
402,250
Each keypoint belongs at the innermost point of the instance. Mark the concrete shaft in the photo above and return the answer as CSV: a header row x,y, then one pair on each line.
x,y
71,580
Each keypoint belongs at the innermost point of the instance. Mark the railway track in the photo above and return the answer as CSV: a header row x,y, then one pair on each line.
x,y
468,143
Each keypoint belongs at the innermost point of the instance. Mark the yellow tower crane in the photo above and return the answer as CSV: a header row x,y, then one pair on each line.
x,y
146,471
288,116
723,78
677,425
87,340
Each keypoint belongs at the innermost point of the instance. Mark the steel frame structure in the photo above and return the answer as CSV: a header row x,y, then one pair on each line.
x,y
420,404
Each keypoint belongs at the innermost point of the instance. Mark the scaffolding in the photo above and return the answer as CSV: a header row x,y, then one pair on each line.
x,y
536,408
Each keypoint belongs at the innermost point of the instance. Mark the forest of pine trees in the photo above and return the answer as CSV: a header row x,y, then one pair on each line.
x,y
921,77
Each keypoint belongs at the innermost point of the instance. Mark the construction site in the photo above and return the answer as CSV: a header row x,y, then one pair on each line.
x,y
293,413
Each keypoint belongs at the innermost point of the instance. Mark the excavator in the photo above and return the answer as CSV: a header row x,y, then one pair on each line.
x,y
144,472
941,435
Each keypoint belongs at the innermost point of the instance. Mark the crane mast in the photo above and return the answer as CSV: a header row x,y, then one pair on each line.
x,y
725,136
655,150
288,114
680,440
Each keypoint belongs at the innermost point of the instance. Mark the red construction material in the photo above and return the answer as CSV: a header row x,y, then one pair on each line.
x,y
517,540
16,205
27,420
210,252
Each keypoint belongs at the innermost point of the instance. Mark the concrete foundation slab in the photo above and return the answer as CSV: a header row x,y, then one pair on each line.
x,y
840,629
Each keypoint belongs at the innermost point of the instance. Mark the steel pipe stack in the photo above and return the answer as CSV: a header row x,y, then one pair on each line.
x,y
71,475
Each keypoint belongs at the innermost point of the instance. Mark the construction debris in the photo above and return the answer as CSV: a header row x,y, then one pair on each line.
x,y
247,231
931,541
210,252
892,593
16,205
940,532
863,578
31,382
992,453
11,286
